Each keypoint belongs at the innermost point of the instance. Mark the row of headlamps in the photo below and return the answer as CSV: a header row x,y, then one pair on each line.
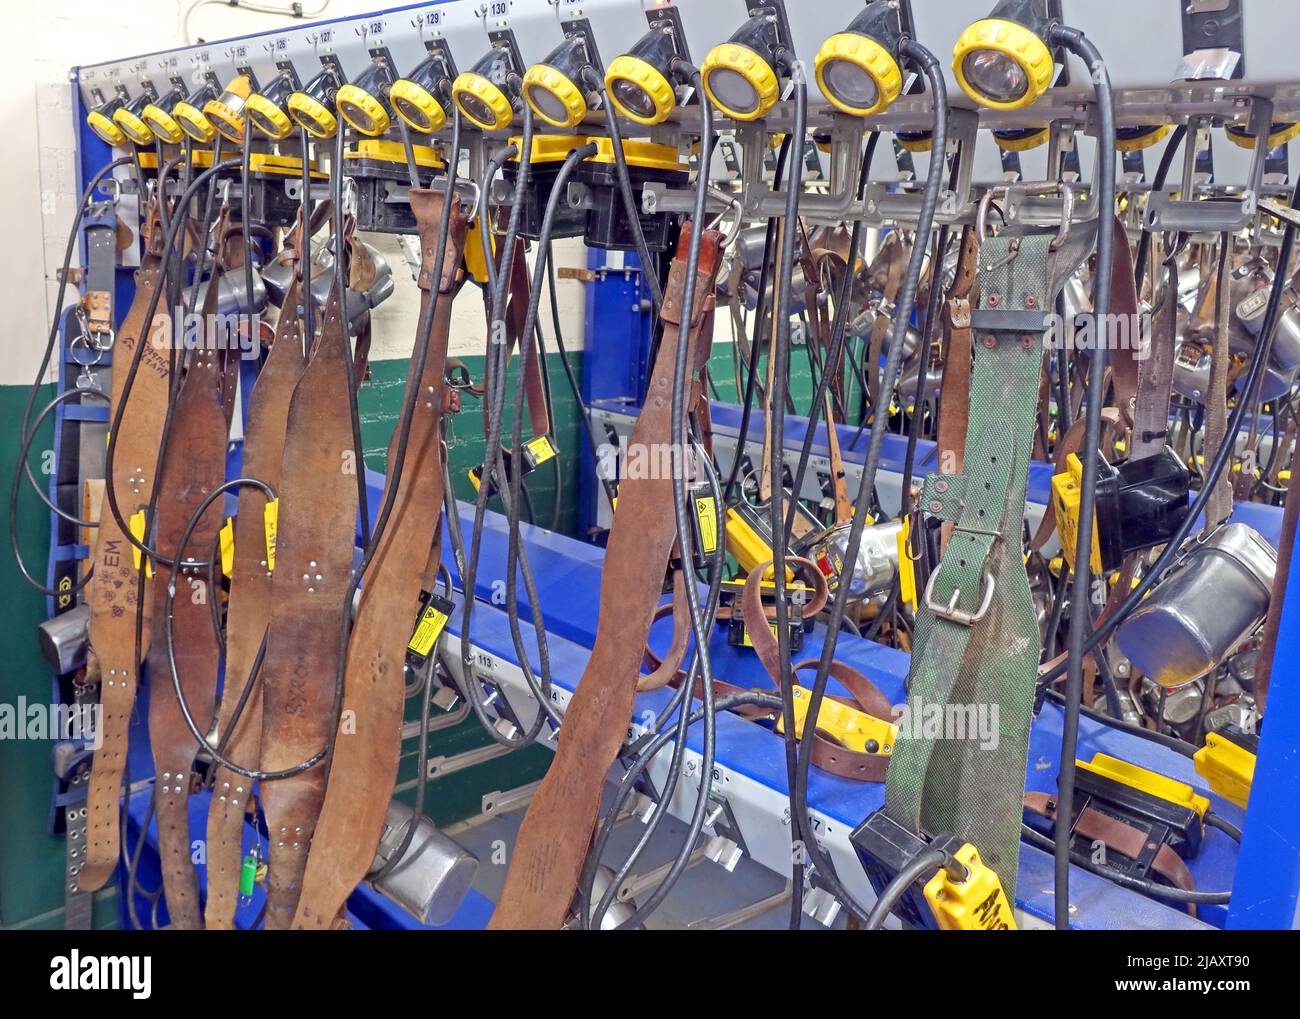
x,y
1002,61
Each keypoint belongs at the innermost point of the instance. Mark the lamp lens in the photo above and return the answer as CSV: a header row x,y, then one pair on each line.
x,y
360,119
548,105
850,84
476,109
412,114
733,90
995,75
634,98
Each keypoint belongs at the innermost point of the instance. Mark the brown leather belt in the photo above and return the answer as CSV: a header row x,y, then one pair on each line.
x,y
194,464
116,593
954,394
557,829
365,760
1122,838
247,611
313,565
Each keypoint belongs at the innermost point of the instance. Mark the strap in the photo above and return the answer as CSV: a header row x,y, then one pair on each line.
x,y
368,746
194,465
954,394
248,609
1155,376
894,259
1219,506
313,564
557,829
1115,835
115,591
977,640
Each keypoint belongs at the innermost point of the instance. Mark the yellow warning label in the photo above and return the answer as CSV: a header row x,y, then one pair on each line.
x,y
228,546
427,631
137,532
271,522
541,449
706,510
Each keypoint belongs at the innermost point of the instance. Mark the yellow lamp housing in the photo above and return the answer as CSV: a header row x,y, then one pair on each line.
x,y
1135,139
740,76
641,83
1021,139
915,141
312,106
158,115
227,111
1278,134
1003,61
128,118
554,88
364,102
419,98
100,120
268,108
858,69
487,92
188,113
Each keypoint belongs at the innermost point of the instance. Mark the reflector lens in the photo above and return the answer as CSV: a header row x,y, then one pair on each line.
x,y
996,75
850,83
633,97
733,90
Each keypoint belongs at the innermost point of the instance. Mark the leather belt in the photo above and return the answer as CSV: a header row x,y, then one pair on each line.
x,y
557,829
365,759
1122,838
313,565
954,394
118,591
194,464
977,640
247,611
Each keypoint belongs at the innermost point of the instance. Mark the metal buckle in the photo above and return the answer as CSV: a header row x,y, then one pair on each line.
x,y
1033,188
950,611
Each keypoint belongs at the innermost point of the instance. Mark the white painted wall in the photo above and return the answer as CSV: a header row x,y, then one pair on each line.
x,y
39,44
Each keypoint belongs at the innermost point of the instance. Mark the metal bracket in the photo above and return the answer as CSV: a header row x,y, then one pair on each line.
x,y
1213,215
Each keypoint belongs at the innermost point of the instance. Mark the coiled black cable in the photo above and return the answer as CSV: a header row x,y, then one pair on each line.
x,y
1080,601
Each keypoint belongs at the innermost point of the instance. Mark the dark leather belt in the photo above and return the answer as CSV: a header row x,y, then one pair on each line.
x,y
313,565
557,829
364,765
247,611
194,464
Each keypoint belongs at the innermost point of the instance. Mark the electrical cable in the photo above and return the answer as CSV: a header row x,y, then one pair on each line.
x,y
919,866
648,264
700,626
1081,588
1157,184
493,460
1125,881
1213,820
866,493
751,381
349,360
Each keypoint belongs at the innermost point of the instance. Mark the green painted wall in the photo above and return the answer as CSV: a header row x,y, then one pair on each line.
x,y
31,860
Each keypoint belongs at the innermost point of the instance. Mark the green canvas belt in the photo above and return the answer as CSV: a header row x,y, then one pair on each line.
x,y
977,642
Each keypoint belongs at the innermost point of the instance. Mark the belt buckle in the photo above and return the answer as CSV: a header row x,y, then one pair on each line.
x,y
950,611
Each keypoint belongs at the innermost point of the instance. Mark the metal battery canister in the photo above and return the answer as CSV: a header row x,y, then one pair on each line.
x,y
1212,601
